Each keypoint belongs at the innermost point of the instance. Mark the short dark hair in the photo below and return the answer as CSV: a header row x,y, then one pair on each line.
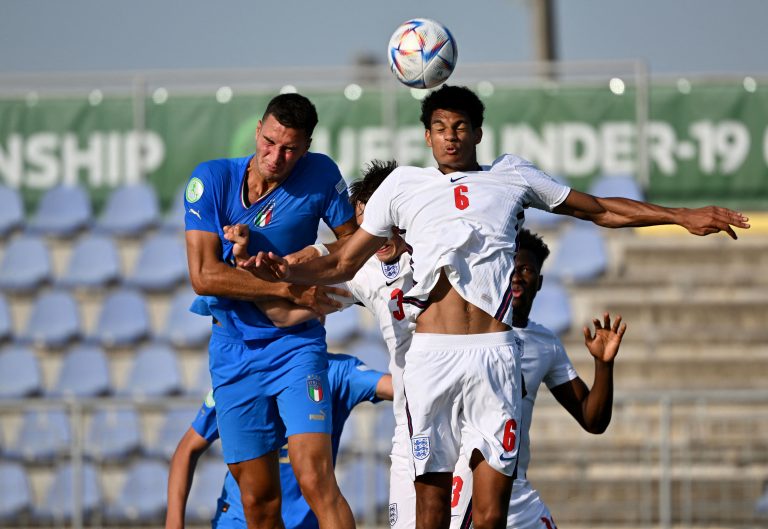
x,y
373,176
293,111
534,244
455,98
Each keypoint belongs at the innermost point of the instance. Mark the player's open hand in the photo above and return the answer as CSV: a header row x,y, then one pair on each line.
x,y
318,298
604,345
713,219
238,235
267,266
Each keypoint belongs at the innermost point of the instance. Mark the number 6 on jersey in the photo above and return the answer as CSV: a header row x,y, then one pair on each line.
x,y
462,200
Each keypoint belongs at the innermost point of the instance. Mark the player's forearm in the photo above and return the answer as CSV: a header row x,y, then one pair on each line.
x,y
325,270
179,483
624,212
597,407
235,283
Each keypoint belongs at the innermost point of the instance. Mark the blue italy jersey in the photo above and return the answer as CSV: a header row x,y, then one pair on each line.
x,y
283,221
351,382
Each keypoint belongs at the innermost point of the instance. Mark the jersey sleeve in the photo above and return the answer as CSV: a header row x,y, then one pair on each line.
x,y
205,420
561,370
336,208
201,200
361,382
378,218
544,192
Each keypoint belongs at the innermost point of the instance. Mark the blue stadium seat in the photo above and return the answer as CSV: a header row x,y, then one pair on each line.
x,y
62,211
44,437
94,262
143,496
209,478
184,328
372,351
15,493
130,210
59,500
538,219
162,263
19,373
552,307
350,436
155,373
113,435
340,327
174,220
11,210
362,480
55,320
176,422
84,373
201,384
384,428
617,186
123,319
6,322
580,255
26,264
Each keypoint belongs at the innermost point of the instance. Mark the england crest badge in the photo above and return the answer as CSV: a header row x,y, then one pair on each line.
x,y
420,446
391,271
392,514
314,388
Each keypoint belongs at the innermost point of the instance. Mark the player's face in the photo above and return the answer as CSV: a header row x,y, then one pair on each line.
x,y
453,141
278,148
390,250
526,281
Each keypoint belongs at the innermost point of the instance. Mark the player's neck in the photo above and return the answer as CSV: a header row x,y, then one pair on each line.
x,y
520,318
256,186
446,169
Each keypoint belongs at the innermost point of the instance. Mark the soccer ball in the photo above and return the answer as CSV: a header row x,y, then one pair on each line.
x,y
422,53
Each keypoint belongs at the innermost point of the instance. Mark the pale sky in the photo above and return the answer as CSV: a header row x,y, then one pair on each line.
x,y
674,36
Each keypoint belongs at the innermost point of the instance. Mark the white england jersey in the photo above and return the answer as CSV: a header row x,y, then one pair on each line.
x,y
543,360
466,222
380,288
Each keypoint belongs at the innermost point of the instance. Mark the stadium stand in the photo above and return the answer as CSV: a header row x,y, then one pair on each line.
x,y
123,319
552,307
173,427
184,328
362,480
114,435
617,186
581,254
15,492
26,264
209,478
44,437
173,221
6,323
20,374
130,210
54,321
162,263
84,373
341,327
373,352
93,263
62,212
11,210
155,373
143,496
58,505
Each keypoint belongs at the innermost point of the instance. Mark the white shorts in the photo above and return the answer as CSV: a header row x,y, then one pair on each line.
x,y
463,391
527,510
461,495
402,493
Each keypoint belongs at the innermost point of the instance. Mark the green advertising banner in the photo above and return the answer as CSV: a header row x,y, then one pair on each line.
x,y
709,145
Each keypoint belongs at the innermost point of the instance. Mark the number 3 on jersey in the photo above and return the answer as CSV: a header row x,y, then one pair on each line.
x,y
397,310
459,195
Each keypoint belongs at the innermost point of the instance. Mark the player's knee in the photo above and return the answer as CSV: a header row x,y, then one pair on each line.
x,y
489,517
260,507
317,485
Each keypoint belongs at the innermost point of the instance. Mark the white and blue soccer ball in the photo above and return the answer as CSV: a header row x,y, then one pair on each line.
x,y
422,53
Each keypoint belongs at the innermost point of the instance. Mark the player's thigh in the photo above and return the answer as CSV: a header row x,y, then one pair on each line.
x,y
249,425
491,489
304,399
312,461
259,479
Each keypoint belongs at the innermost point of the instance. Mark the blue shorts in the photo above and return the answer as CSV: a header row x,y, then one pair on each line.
x,y
257,408
227,517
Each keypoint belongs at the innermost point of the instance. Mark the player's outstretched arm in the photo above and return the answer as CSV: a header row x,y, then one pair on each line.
x,y
384,389
180,473
592,408
624,212
336,267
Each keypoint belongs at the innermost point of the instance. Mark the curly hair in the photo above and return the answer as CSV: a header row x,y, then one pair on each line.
x,y
455,98
533,243
373,176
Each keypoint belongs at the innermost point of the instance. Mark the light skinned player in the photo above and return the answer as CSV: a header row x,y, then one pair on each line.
x,y
351,382
379,286
545,360
261,374
462,375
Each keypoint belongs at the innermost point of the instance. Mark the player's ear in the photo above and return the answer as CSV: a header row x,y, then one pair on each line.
x,y
258,129
428,137
478,135
541,282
